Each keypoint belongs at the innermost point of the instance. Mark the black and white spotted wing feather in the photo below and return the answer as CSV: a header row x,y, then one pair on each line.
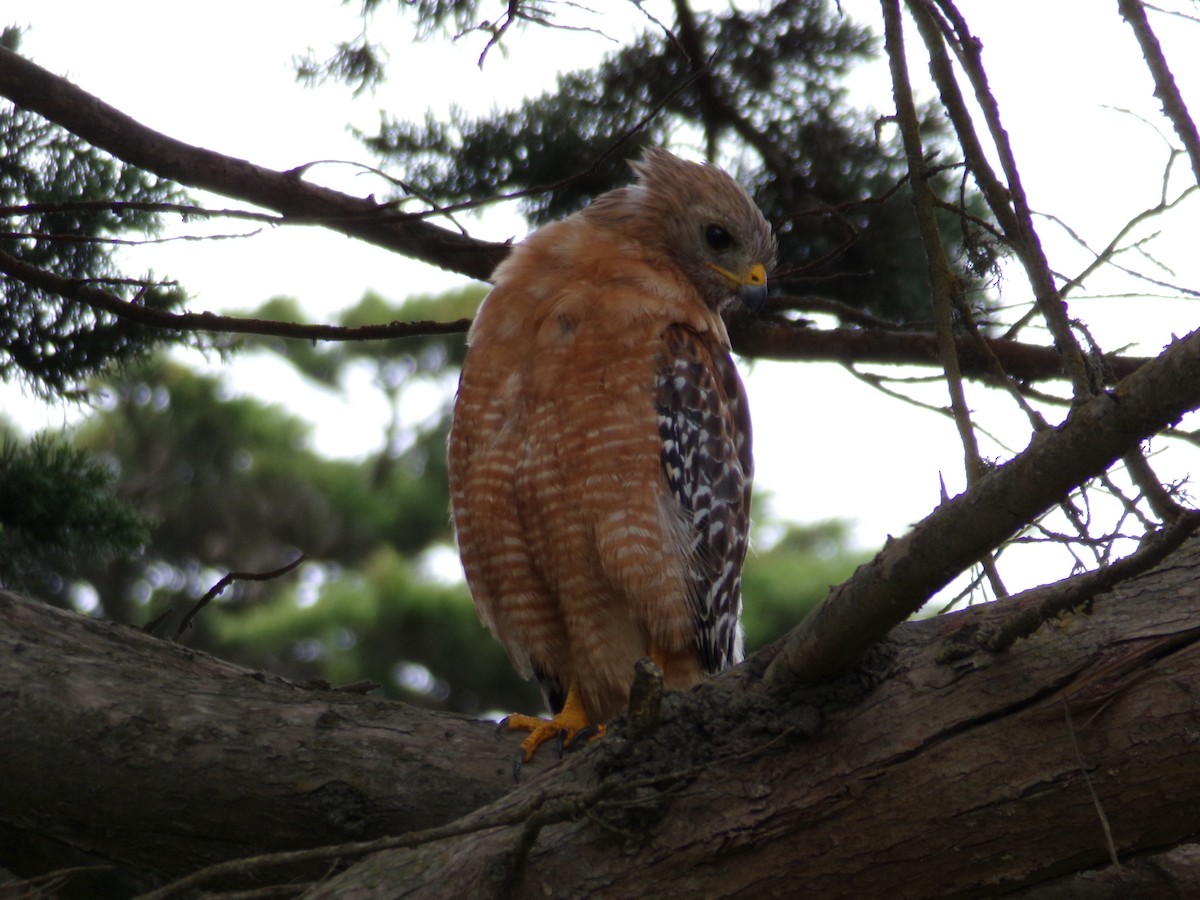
x,y
704,425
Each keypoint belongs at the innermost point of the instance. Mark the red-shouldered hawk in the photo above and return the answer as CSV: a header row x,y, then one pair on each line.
x,y
600,461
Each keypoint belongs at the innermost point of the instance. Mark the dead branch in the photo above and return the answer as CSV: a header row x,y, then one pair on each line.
x,y
1165,89
217,589
1040,605
1007,200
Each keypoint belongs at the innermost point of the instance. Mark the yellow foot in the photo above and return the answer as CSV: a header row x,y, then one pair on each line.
x,y
566,725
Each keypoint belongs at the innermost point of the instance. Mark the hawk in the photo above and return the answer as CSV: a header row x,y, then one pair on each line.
x,y
600,464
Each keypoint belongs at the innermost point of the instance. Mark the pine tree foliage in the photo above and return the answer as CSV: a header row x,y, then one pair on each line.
x,y
59,509
65,205
761,92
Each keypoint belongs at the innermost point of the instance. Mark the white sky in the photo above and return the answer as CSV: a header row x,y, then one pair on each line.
x,y
1073,94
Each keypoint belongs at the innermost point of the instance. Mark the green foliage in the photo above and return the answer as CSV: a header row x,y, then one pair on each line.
x,y
62,182
780,586
357,62
765,88
58,508
384,622
67,198
233,486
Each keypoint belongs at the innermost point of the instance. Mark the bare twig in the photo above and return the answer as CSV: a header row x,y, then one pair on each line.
x,y
1045,603
945,287
1008,201
230,578
122,242
1143,475
912,568
185,210
1108,837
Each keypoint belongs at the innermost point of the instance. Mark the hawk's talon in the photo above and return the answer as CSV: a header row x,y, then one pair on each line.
x,y
517,763
563,728
583,736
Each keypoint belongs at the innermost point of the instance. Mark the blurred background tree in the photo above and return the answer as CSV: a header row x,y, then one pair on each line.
x,y
229,484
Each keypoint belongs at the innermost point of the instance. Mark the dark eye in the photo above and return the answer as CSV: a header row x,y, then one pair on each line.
x,y
718,238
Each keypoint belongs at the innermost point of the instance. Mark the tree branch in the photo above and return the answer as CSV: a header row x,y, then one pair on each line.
x,y
32,87
766,339
909,570
1008,201
945,287
150,757
85,293
737,792
1035,607
751,337
801,807
1165,89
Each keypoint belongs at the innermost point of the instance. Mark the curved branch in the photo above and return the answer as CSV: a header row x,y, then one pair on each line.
x,y
32,87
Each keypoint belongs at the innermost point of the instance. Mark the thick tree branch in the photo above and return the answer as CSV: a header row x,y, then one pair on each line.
x,y
953,773
910,569
33,88
146,746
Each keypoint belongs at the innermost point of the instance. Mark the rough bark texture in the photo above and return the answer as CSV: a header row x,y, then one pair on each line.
x,y
934,770
117,748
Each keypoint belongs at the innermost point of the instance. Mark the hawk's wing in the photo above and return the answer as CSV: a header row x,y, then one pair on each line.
x,y
704,425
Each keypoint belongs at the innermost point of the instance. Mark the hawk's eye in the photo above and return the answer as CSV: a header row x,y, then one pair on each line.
x,y
718,238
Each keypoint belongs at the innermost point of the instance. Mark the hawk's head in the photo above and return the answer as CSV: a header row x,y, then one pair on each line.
x,y
703,221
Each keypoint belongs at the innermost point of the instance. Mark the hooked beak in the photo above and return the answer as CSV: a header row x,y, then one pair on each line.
x,y
751,285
